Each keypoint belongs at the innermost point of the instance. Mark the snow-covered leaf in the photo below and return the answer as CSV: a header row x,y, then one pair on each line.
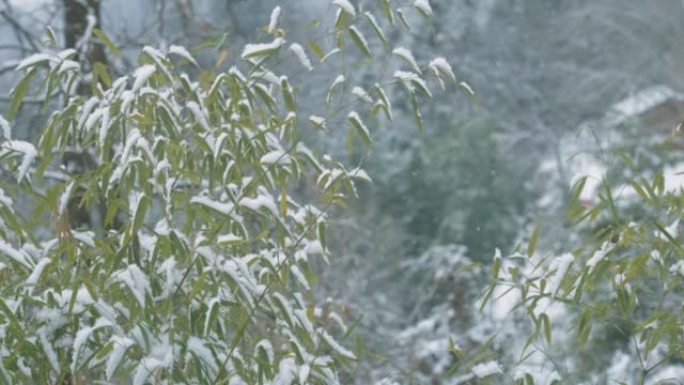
x,y
346,6
360,41
299,52
182,52
273,21
423,6
264,49
360,127
407,56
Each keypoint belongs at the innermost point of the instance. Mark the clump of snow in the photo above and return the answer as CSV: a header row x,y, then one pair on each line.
x,y
199,115
182,52
277,157
197,347
222,207
37,271
287,372
64,199
273,22
598,256
69,65
467,87
33,60
440,65
330,54
423,6
407,56
314,248
252,50
361,94
486,369
299,52
26,149
229,238
261,201
560,265
317,121
82,337
136,281
142,74
161,357
4,199
677,268
5,128
346,6
18,256
119,347
640,102
339,349
49,351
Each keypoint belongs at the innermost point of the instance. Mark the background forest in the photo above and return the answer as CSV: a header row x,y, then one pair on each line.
x,y
559,143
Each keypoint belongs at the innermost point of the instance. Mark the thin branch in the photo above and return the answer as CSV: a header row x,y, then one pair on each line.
x,y
19,29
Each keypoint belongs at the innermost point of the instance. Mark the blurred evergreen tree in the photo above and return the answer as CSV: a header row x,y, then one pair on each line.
x,y
460,188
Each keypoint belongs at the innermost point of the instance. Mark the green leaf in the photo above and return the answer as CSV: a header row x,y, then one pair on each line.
x,y
212,315
670,238
402,18
17,327
265,96
384,100
640,191
51,37
316,49
19,92
577,189
360,41
140,213
659,183
377,29
337,82
322,234
611,201
532,246
361,128
584,327
487,295
101,73
387,10
417,116
283,201
546,326
350,142
105,39
286,91
496,267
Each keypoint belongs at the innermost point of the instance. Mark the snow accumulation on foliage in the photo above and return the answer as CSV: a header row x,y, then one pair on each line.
x,y
199,269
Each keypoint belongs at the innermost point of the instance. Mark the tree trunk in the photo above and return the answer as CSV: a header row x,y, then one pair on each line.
x,y
76,15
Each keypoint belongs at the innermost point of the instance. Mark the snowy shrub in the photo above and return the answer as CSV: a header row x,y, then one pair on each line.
x,y
177,248
609,311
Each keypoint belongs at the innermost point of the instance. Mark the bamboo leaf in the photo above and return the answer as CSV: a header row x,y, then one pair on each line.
x,y
19,92
107,42
532,246
360,41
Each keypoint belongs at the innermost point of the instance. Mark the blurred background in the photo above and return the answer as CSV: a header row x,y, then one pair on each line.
x,y
559,84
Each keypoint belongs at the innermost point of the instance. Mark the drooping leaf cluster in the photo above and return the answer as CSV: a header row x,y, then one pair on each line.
x,y
193,265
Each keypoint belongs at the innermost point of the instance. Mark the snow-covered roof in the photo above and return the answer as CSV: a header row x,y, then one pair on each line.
x,y
639,103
